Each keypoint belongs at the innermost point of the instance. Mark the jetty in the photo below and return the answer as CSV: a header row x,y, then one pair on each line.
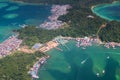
x,y
58,49
61,40
53,44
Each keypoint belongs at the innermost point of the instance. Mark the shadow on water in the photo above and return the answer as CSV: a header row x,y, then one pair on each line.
x,y
86,71
110,69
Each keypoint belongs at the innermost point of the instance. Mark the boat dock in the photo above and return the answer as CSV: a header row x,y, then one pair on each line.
x,y
61,40
86,41
54,43
58,49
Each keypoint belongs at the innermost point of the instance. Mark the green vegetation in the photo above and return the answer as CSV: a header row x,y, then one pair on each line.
x,y
79,24
16,66
81,2
32,35
89,27
111,32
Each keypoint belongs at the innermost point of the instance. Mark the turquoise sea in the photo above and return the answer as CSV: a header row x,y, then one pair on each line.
x,y
108,11
70,64
12,15
81,64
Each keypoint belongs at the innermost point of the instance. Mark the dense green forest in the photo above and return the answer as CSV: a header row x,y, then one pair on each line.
x,y
32,35
80,24
81,2
111,32
16,66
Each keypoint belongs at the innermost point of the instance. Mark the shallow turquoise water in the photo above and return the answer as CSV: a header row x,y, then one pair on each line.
x,y
14,14
67,65
108,11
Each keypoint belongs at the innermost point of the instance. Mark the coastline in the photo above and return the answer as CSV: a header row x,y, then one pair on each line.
x,y
54,53
9,45
7,26
104,5
69,38
97,14
84,42
34,70
80,42
53,22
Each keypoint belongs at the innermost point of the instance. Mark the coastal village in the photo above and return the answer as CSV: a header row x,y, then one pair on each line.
x,y
34,71
14,44
9,45
53,22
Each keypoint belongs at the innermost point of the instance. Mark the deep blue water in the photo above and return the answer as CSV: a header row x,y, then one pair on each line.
x,y
14,14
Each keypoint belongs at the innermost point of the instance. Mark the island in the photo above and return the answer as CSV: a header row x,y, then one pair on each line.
x,y
70,20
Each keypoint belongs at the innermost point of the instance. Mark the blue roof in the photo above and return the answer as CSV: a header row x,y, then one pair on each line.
x,y
37,45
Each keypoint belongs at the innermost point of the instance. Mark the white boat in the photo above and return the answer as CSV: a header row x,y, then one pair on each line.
x,y
108,57
83,48
97,74
103,71
34,76
84,61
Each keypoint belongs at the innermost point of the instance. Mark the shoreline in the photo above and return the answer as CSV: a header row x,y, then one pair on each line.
x,y
69,38
104,5
53,22
34,70
59,40
80,42
97,14
9,45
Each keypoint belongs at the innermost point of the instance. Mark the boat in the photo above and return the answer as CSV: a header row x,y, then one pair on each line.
x,y
103,71
34,76
97,74
83,48
84,61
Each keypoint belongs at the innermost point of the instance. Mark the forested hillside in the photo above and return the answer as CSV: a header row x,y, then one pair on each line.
x,y
80,24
